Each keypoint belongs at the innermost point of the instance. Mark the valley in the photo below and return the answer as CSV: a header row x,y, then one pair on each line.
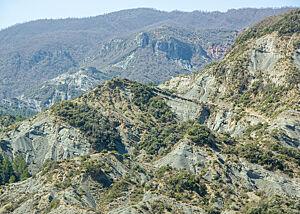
x,y
218,135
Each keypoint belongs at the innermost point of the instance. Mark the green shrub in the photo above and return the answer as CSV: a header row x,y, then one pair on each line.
x,y
20,168
285,24
97,128
145,98
255,154
201,135
185,181
117,190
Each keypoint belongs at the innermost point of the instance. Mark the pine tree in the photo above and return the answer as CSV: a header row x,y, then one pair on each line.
x,y
15,171
20,168
7,171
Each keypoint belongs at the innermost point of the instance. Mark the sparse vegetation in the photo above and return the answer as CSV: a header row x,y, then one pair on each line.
x,y
147,101
135,137
181,181
100,132
53,205
160,140
117,190
287,23
6,120
269,156
275,204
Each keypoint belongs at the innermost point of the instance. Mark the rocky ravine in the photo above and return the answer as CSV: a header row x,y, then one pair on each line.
x,y
146,150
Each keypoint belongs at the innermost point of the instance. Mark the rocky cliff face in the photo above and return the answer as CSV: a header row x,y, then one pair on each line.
x,y
41,138
223,140
150,56
145,55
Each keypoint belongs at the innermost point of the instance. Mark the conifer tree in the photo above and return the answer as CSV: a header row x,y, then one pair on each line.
x,y
7,171
20,168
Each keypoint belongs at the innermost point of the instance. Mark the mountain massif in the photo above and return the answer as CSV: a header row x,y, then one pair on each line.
x,y
144,45
222,140
152,56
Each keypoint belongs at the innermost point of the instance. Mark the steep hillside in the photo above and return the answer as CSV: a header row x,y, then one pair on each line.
x,y
256,82
150,159
223,140
84,118
38,51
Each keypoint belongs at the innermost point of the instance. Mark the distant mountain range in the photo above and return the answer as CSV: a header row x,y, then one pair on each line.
x,y
146,45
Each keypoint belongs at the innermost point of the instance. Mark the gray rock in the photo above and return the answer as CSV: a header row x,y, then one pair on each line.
x,y
289,123
42,138
183,156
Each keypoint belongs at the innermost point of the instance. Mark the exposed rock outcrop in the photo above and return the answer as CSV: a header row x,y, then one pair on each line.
x,y
225,139
43,138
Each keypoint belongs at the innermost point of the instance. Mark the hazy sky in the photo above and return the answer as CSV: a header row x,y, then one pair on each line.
x,y
18,11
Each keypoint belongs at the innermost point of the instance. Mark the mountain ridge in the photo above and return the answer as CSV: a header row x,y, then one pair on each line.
x,y
222,140
53,49
153,55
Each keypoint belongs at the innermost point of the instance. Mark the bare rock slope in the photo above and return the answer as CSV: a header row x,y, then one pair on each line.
x,y
223,140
